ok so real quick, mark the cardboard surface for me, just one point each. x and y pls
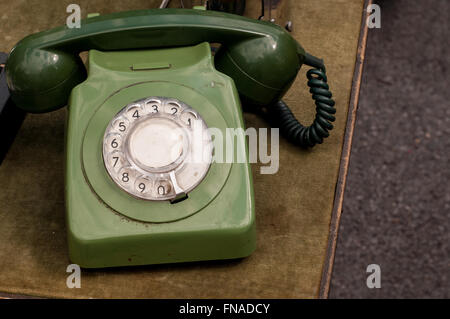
(293, 207)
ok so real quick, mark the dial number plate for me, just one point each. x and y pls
(157, 148)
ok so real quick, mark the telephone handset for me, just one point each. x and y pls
(132, 195)
(262, 58)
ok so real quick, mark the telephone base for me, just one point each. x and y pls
(109, 227)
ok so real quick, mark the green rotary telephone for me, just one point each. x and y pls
(133, 197)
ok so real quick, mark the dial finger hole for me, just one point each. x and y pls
(142, 185)
(163, 187)
(121, 125)
(173, 108)
(127, 176)
(113, 142)
(134, 112)
(116, 160)
(153, 106)
(188, 118)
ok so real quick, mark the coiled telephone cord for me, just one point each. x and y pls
(291, 128)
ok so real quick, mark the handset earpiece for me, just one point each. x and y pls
(41, 80)
(264, 68)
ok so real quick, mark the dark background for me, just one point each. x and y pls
(397, 201)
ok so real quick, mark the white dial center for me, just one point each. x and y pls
(156, 142)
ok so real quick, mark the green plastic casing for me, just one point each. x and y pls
(108, 227)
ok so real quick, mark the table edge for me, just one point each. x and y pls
(345, 158)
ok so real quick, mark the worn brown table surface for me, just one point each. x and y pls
(296, 209)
